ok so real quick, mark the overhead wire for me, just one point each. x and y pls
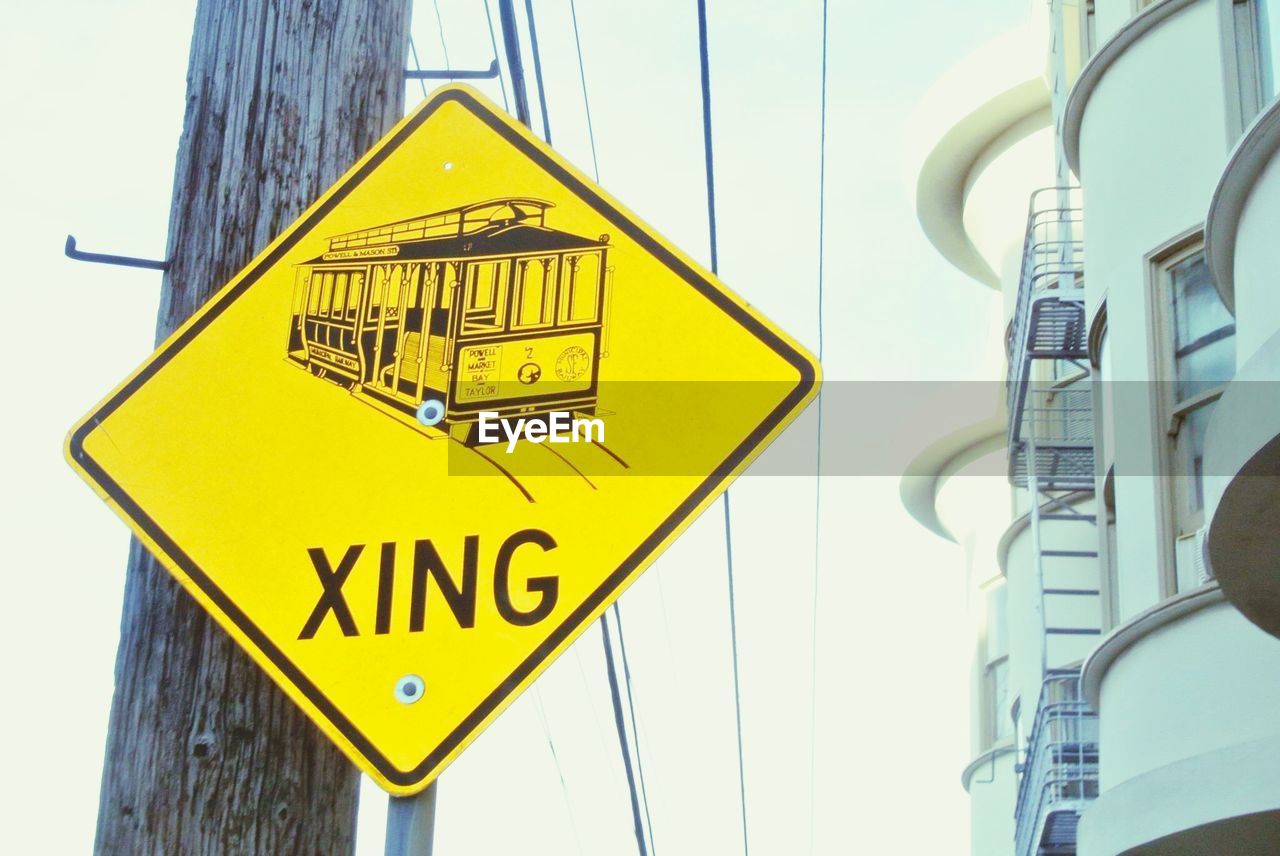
(542, 714)
(737, 687)
(440, 28)
(555, 757)
(413, 50)
(622, 735)
(635, 723)
(591, 703)
(537, 69)
(817, 480)
(586, 101)
(637, 789)
(595, 168)
(637, 794)
(709, 155)
(493, 43)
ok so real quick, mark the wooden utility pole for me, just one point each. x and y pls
(204, 754)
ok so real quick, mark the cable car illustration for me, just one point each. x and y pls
(434, 319)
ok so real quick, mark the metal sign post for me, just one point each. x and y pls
(411, 823)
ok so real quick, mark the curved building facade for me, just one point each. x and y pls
(947, 491)
(1184, 685)
(1139, 562)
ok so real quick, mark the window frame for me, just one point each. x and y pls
(1104, 475)
(995, 593)
(1088, 30)
(1268, 60)
(1242, 65)
(994, 714)
(1180, 517)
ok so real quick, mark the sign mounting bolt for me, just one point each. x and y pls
(409, 689)
(431, 412)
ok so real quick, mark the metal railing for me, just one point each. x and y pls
(1048, 318)
(1057, 430)
(1059, 773)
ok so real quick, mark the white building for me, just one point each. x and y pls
(1126, 692)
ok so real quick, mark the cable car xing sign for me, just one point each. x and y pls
(432, 431)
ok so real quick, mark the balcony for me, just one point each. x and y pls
(1054, 445)
(1059, 774)
(1050, 412)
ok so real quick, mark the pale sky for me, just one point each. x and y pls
(92, 109)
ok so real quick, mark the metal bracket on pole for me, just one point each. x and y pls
(411, 823)
(107, 259)
(456, 74)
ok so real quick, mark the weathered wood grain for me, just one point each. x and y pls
(204, 754)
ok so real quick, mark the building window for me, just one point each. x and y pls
(1104, 410)
(998, 688)
(1267, 27)
(996, 671)
(1198, 360)
(1251, 38)
(1090, 41)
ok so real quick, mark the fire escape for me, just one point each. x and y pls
(1059, 775)
(1050, 446)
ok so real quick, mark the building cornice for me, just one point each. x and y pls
(1078, 99)
(929, 470)
(944, 178)
(1247, 161)
(1137, 628)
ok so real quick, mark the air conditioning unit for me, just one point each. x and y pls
(1190, 552)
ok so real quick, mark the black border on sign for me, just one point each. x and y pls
(611, 583)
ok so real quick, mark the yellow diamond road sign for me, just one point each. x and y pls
(422, 440)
